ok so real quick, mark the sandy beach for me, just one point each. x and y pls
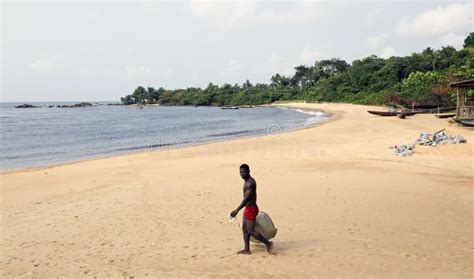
(344, 205)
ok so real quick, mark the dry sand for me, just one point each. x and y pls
(344, 204)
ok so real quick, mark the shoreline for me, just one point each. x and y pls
(177, 146)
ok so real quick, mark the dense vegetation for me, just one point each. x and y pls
(418, 78)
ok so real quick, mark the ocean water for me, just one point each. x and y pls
(42, 136)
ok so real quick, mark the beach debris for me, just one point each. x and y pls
(428, 139)
(404, 150)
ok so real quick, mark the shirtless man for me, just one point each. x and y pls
(250, 212)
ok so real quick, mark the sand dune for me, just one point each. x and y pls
(344, 206)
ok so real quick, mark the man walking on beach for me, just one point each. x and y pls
(250, 211)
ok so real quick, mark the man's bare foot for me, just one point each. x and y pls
(270, 247)
(244, 252)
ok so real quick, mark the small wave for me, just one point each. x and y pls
(9, 157)
(316, 115)
(144, 146)
(230, 134)
(311, 112)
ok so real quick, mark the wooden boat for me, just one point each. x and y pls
(465, 122)
(445, 115)
(229, 108)
(424, 106)
(447, 109)
(436, 110)
(403, 114)
(400, 114)
(383, 113)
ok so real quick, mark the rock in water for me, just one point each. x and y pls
(26, 106)
(264, 225)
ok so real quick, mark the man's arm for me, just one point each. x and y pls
(247, 195)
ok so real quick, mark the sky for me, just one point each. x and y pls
(89, 51)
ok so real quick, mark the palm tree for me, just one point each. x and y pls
(413, 64)
(429, 56)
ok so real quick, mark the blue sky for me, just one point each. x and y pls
(77, 51)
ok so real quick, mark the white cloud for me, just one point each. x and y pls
(388, 52)
(233, 15)
(452, 39)
(310, 55)
(43, 65)
(378, 40)
(440, 20)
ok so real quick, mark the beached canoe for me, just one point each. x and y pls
(264, 225)
(469, 123)
(403, 114)
(383, 113)
(229, 108)
(465, 122)
(436, 110)
(445, 115)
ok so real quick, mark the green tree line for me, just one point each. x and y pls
(418, 78)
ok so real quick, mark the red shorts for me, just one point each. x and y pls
(251, 212)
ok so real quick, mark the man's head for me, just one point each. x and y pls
(244, 171)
